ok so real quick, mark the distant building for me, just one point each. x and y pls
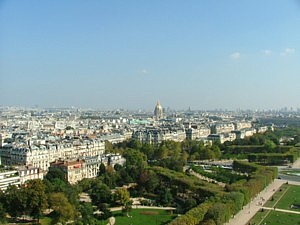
(196, 132)
(157, 135)
(41, 156)
(9, 178)
(158, 112)
(30, 173)
(219, 128)
(76, 170)
(222, 137)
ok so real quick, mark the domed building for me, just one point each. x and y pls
(158, 111)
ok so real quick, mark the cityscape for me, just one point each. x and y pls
(36, 142)
(150, 112)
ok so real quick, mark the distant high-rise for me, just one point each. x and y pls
(158, 111)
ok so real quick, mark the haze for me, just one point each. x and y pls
(129, 54)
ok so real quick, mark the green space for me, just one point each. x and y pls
(219, 174)
(288, 197)
(294, 172)
(144, 216)
(43, 221)
(275, 218)
(155, 172)
(276, 196)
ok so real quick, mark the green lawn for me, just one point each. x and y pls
(144, 217)
(276, 196)
(45, 221)
(283, 199)
(276, 218)
(291, 196)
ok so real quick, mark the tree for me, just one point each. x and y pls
(108, 147)
(106, 213)
(207, 153)
(136, 161)
(165, 197)
(55, 173)
(2, 214)
(2, 208)
(36, 197)
(63, 210)
(121, 196)
(269, 145)
(100, 193)
(216, 150)
(189, 204)
(102, 169)
(219, 213)
(148, 181)
(15, 200)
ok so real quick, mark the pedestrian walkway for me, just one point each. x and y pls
(143, 207)
(296, 164)
(248, 211)
(281, 210)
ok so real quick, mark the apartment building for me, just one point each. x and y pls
(41, 156)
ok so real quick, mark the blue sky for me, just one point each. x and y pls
(128, 54)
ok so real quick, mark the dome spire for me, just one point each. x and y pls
(158, 111)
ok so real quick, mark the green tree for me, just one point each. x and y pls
(16, 200)
(54, 173)
(36, 198)
(2, 214)
(269, 145)
(148, 181)
(63, 210)
(109, 147)
(219, 213)
(216, 150)
(100, 193)
(102, 169)
(207, 153)
(165, 197)
(136, 161)
(121, 196)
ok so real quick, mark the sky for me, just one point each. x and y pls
(207, 54)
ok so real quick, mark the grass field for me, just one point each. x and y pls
(275, 218)
(144, 217)
(135, 217)
(292, 196)
(43, 221)
(289, 195)
(282, 199)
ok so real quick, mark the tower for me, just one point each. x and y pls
(158, 111)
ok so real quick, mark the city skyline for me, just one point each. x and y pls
(108, 55)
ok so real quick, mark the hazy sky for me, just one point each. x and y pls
(205, 54)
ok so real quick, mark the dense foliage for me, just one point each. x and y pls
(156, 172)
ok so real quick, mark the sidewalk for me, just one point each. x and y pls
(296, 164)
(281, 210)
(248, 211)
